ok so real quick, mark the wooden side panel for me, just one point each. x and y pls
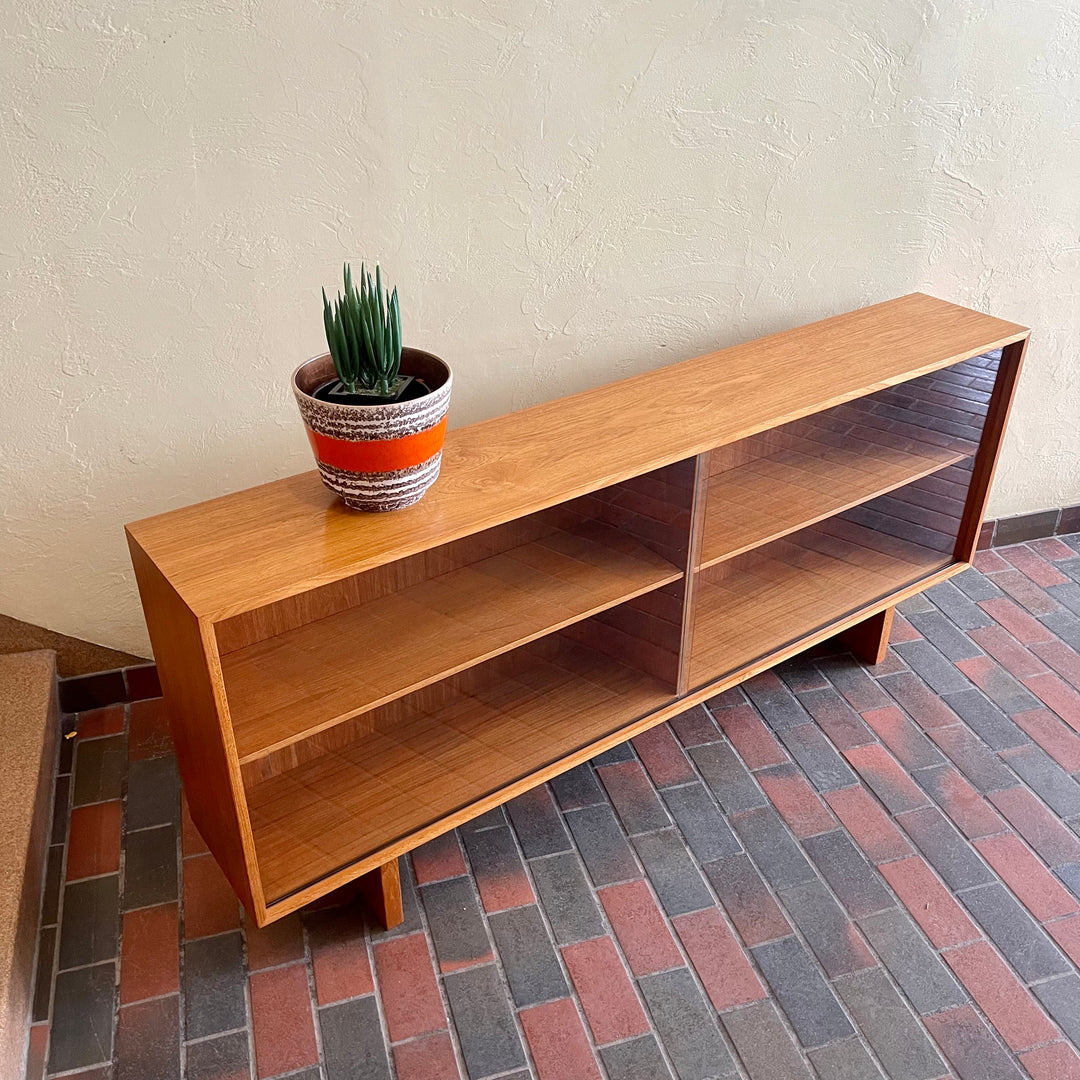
(187, 665)
(1012, 360)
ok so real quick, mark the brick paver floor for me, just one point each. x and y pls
(834, 871)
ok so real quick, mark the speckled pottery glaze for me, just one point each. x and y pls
(377, 457)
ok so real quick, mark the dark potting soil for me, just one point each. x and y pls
(416, 388)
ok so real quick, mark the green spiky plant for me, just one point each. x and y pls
(363, 330)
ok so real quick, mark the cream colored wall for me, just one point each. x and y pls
(564, 192)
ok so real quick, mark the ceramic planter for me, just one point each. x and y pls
(377, 457)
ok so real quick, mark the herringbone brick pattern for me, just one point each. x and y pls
(834, 871)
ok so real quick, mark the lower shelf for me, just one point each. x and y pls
(495, 725)
(788, 589)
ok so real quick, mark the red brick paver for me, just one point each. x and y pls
(428, 1058)
(718, 959)
(967, 809)
(799, 805)
(640, 927)
(210, 905)
(97, 722)
(191, 838)
(749, 735)
(281, 942)
(339, 958)
(1040, 892)
(870, 826)
(1055, 737)
(663, 757)
(151, 953)
(1038, 825)
(929, 902)
(1032, 565)
(281, 1020)
(1057, 695)
(886, 778)
(1057, 1062)
(438, 859)
(148, 730)
(407, 986)
(1021, 624)
(1066, 932)
(1001, 996)
(558, 1043)
(94, 840)
(611, 1007)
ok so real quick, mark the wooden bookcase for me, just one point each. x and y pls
(343, 687)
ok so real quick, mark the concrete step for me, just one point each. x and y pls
(29, 731)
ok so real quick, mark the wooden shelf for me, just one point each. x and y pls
(389, 784)
(792, 587)
(842, 457)
(301, 682)
(769, 498)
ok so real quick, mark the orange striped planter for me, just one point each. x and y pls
(377, 457)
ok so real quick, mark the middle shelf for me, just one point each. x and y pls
(784, 479)
(773, 496)
(298, 683)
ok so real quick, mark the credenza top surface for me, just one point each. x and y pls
(250, 548)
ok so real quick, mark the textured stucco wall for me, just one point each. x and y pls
(564, 192)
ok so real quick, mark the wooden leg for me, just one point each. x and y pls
(869, 639)
(381, 889)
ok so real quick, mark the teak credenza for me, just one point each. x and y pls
(343, 686)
